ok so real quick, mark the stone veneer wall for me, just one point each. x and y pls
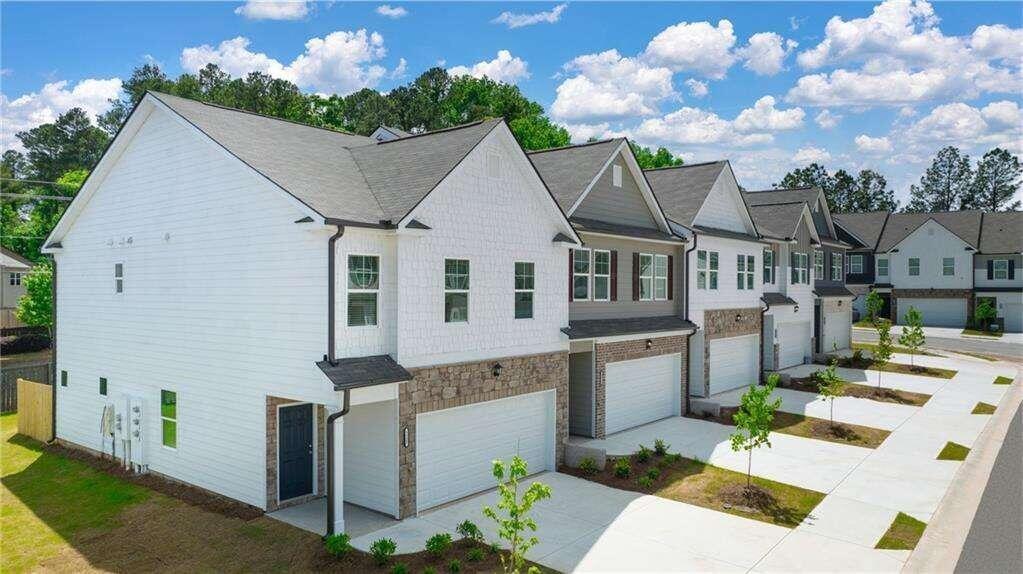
(271, 454)
(446, 386)
(721, 324)
(932, 294)
(605, 353)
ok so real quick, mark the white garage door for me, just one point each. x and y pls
(793, 344)
(455, 448)
(1013, 313)
(935, 312)
(837, 327)
(641, 391)
(733, 363)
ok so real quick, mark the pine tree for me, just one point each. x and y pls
(996, 182)
(945, 184)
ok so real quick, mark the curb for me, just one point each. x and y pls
(942, 543)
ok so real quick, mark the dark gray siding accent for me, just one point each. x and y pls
(580, 393)
(624, 204)
(867, 277)
(829, 253)
(980, 261)
(625, 306)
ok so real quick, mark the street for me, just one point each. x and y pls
(1010, 351)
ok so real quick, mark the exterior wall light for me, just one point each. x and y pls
(404, 437)
(738, 317)
(496, 370)
(649, 343)
(795, 309)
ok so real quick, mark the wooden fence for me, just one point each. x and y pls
(9, 375)
(35, 416)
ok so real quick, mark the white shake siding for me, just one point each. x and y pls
(493, 222)
(379, 339)
(721, 209)
(727, 296)
(224, 303)
(931, 243)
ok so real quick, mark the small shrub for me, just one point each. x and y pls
(474, 555)
(382, 550)
(623, 468)
(643, 455)
(644, 482)
(429, 570)
(338, 544)
(674, 458)
(588, 465)
(857, 355)
(438, 544)
(494, 548)
(399, 568)
(661, 447)
(653, 473)
(468, 529)
(454, 566)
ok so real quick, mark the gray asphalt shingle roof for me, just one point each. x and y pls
(583, 224)
(807, 195)
(590, 328)
(964, 224)
(778, 221)
(1002, 232)
(12, 260)
(340, 176)
(866, 226)
(355, 372)
(682, 190)
(569, 170)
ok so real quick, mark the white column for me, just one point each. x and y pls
(339, 475)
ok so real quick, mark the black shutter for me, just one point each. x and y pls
(990, 268)
(571, 282)
(614, 275)
(1012, 269)
(635, 276)
(671, 277)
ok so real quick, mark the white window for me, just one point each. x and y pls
(616, 175)
(169, 418)
(948, 266)
(363, 288)
(746, 267)
(646, 277)
(706, 269)
(580, 274)
(882, 267)
(15, 278)
(818, 264)
(1001, 268)
(768, 266)
(601, 275)
(914, 266)
(118, 277)
(456, 290)
(836, 266)
(800, 268)
(856, 264)
(661, 277)
(524, 282)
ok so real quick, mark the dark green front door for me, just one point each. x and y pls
(295, 448)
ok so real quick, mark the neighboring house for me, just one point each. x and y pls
(723, 273)
(13, 268)
(297, 312)
(627, 329)
(387, 133)
(863, 231)
(998, 267)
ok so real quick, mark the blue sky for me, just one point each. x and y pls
(769, 86)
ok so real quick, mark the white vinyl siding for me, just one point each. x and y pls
(370, 443)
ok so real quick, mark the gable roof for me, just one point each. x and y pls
(1002, 232)
(963, 224)
(395, 131)
(809, 195)
(681, 190)
(865, 228)
(568, 171)
(12, 260)
(778, 221)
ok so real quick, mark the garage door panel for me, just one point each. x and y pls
(793, 343)
(641, 391)
(734, 363)
(935, 312)
(455, 448)
(837, 330)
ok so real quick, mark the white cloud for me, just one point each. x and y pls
(867, 144)
(795, 23)
(810, 154)
(998, 123)
(393, 12)
(607, 85)
(583, 132)
(399, 70)
(697, 89)
(513, 20)
(503, 68)
(273, 10)
(998, 41)
(340, 62)
(29, 110)
(763, 116)
(827, 120)
(695, 47)
(765, 53)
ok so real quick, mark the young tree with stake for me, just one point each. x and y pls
(830, 386)
(913, 333)
(874, 304)
(883, 350)
(513, 522)
(753, 422)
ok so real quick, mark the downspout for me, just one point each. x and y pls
(345, 405)
(685, 313)
(762, 337)
(54, 383)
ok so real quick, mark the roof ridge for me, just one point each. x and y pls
(773, 189)
(157, 95)
(442, 130)
(573, 146)
(685, 165)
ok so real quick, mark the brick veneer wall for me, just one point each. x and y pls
(446, 386)
(605, 353)
(932, 294)
(271, 454)
(722, 324)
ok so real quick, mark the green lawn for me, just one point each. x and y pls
(983, 409)
(903, 534)
(821, 429)
(1003, 381)
(868, 324)
(895, 349)
(902, 368)
(953, 451)
(977, 333)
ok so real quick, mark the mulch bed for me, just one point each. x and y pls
(357, 561)
(884, 394)
(752, 497)
(864, 363)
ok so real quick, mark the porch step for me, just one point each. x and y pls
(705, 406)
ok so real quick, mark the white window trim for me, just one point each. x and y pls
(616, 175)
(593, 268)
(952, 274)
(15, 279)
(887, 266)
(352, 290)
(588, 275)
(659, 278)
(836, 266)
(909, 266)
(176, 419)
(119, 278)
(855, 261)
(444, 280)
(532, 290)
(818, 264)
(802, 268)
(707, 271)
(994, 269)
(747, 282)
(768, 258)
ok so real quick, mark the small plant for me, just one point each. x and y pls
(588, 465)
(644, 482)
(468, 529)
(830, 386)
(753, 422)
(429, 570)
(857, 356)
(623, 468)
(475, 555)
(399, 568)
(661, 447)
(653, 473)
(455, 565)
(643, 455)
(874, 305)
(514, 521)
(382, 550)
(438, 544)
(913, 334)
(984, 314)
(883, 350)
(338, 544)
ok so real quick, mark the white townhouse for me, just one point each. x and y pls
(723, 280)
(998, 268)
(277, 312)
